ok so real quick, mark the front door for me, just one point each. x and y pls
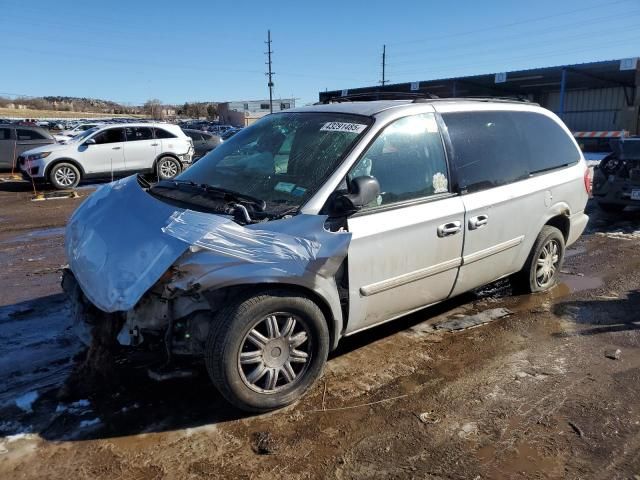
(106, 156)
(406, 246)
(140, 149)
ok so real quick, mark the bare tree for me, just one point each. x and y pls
(153, 108)
(212, 111)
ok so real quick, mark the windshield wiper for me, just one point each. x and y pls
(224, 193)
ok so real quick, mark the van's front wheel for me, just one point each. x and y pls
(264, 351)
(543, 265)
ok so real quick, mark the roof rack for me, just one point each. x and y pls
(371, 96)
(515, 99)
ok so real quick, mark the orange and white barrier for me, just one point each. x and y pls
(602, 134)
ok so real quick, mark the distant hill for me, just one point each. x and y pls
(69, 104)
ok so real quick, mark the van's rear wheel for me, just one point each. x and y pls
(64, 175)
(543, 265)
(167, 168)
(264, 351)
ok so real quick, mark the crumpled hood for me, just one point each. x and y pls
(121, 240)
(115, 245)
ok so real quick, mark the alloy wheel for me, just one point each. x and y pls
(547, 263)
(275, 353)
(168, 169)
(65, 176)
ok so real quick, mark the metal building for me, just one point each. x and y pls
(598, 99)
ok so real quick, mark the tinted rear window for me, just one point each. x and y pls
(487, 149)
(496, 148)
(24, 134)
(161, 133)
(548, 144)
(5, 133)
(138, 133)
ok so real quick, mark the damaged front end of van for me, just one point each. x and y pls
(163, 272)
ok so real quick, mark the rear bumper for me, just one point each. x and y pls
(577, 224)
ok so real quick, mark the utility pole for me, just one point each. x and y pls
(384, 64)
(269, 73)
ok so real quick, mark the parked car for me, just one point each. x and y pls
(203, 142)
(16, 139)
(229, 133)
(110, 150)
(78, 129)
(616, 180)
(317, 223)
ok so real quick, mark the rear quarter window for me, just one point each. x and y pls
(548, 144)
(162, 133)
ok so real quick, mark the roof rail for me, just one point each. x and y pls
(518, 99)
(371, 96)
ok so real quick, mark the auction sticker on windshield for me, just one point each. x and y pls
(342, 127)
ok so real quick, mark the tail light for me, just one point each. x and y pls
(587, 180)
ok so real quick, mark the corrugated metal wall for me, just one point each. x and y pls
(593, 109)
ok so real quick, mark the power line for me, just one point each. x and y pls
(501, 49)
(513, 24)
(451, 72)
(522, 35)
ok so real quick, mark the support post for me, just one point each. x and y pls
(563, 85)
(269, 73)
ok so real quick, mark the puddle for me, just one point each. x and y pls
(578, 283)
(541, 301)
(36, 234)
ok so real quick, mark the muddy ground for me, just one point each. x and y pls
(529, 395)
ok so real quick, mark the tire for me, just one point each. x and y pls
(234, 358)
(529, 279)
(64, 175)
(611, 207)
(167, 168)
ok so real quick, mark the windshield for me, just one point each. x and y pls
(81, 136)
(282, 159)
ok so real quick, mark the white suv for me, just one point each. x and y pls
(110, 151)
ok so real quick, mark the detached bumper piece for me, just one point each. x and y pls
(89, 323)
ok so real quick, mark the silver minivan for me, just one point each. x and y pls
(319, 222)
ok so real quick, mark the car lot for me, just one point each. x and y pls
(528, 393)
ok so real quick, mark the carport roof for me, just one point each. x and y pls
(517, 83)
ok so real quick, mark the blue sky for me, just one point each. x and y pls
(130, 51)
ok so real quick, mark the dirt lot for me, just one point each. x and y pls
(530, 395)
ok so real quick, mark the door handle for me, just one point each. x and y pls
(477, 222)
(116, 148)
(450, 228)
(154, 144)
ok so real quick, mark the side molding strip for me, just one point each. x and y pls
(400, 280)
(487, 252)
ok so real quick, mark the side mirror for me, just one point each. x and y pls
(363, 191)
(90, 141)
